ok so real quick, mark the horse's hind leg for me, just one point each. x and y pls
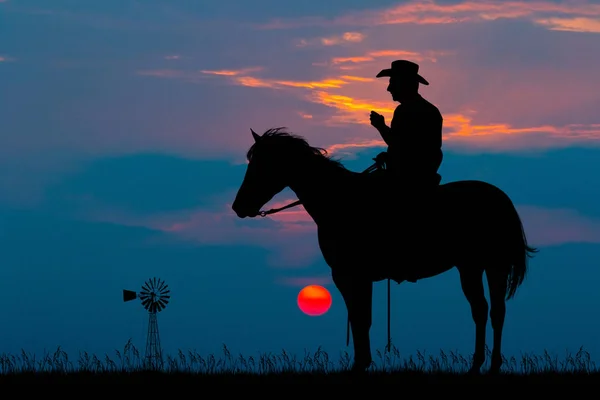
(497, 283)
(471, 280)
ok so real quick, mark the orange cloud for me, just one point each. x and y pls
(460, 129)
(580, 24)
(251, 81)
(430, 12)
(232, 72)
(493, 106)
(194, 76)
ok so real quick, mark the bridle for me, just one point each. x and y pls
(377, 165)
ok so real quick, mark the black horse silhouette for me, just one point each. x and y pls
(477, 230)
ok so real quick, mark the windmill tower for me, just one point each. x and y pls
(154, 297)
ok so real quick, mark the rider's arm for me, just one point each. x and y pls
(391, 134)
(386, 134)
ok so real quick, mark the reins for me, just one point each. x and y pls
(372, 168)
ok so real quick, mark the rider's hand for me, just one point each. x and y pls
(377, 120)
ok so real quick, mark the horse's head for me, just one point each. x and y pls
(265, 174)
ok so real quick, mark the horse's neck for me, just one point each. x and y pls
(318, 187)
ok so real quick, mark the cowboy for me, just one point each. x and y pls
(414, 140)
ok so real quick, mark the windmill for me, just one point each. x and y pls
(154, 297)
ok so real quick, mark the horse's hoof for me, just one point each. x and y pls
(475, 371)
(494, 371)
(361, 367)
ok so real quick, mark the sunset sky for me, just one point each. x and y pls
(123, 131)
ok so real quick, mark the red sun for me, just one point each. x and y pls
(314, 300)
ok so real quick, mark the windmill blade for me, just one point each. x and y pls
(154, 283)
(164, 296)
(162, 286)
(165, 289)
(163, 303)
(165, 299)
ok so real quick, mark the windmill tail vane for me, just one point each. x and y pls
(129, 295)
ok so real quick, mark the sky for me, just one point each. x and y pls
(123, 131)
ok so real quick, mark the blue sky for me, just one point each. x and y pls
(124, 126)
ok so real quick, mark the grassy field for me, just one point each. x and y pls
(127, 366)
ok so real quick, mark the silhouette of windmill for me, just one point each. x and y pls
(154, 297)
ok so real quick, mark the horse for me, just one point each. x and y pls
(475, 229)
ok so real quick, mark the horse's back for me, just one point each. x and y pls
(470, 193)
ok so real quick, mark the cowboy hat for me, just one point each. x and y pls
(404, 69)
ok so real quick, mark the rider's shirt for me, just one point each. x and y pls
(415, 143)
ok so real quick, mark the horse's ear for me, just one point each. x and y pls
(255, 135)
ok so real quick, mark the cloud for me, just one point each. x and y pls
(551, 227)
(511, 111)
(460, 130)
(581, 24)
(289, 236)
(334, 40)
(430, 12)
(5, 58)
(231, 72)
(397, 54)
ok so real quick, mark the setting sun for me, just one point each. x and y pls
(314, 300)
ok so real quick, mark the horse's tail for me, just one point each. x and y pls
(520, 252)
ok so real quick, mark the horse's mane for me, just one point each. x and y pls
(293, 143)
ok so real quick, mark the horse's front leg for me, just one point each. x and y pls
(358, 296)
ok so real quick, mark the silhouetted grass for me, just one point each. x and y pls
(127, 366)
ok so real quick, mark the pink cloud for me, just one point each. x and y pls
(334, 40)
(485, 109)
(428, 12)
(549, 227)
(501, 106)
(5, 58)
(289, 235)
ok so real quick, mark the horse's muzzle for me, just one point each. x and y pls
(241, 213)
